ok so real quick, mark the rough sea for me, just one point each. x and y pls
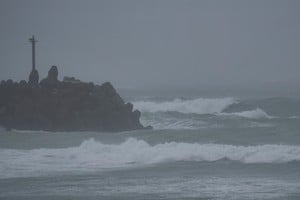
(201, 147)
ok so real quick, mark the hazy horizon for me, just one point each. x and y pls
(156, 44)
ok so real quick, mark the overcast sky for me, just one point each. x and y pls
(159, 43)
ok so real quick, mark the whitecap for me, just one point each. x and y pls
(194, 106)
(95, 156)
(252, 114)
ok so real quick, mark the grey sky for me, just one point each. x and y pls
(155, 43)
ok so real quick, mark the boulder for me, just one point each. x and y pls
(33, 78)
(51, 81)
(68, 79)
(53, 73)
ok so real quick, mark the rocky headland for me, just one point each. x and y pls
(68, 105)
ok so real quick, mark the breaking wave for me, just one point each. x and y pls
(92, 155)
(196, 106)
(252, 114)
(200, 106)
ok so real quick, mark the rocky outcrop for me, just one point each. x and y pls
(52, 79)
(71, 79)
(65, 106)
(33, 78)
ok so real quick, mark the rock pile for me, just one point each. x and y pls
(55, 105)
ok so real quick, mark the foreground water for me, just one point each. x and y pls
(200, 148)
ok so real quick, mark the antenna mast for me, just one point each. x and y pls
(34, 75)
(33, 41)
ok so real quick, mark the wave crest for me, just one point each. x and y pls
(92, 155)
(252, 114)
(196, 106)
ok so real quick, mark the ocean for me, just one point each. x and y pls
(201, 147)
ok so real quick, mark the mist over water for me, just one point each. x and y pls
(246, 46)
(218, 81)
(93, 156)
(217, 147)
(209, 112)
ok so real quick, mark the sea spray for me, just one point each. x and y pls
(96, 156)
(182, 114)
(252, 114)
(196, 106)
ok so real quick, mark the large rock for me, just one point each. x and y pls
(51, 81)
(33, 78)
(65, 106)
(53, 73)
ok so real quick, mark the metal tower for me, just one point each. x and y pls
(33, 41)
(34, 75)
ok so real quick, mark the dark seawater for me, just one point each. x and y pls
(200, 148)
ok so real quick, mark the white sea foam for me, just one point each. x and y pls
(294, 117)
(196, 106)
(199, 106)
(252, 114)
(92, 156)
(169, 123)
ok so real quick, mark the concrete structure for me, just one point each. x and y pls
(34, 75)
